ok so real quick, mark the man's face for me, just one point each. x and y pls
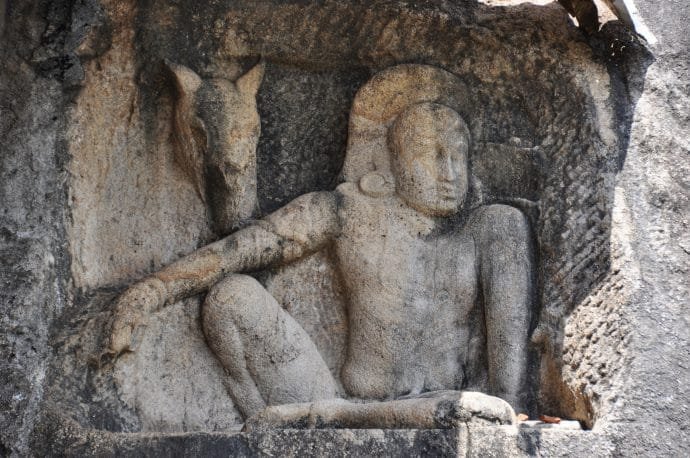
(430, 145)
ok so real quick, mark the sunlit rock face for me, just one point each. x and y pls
(417, 215)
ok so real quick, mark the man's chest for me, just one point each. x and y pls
(442, 273)
(413, 270)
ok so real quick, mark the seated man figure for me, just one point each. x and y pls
(412, 279)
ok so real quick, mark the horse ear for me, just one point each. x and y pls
(249, 82)
(189, 131)
(186, 81)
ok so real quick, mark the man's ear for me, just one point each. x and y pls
(249, 82)
(186, 81)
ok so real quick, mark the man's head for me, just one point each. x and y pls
(429, 144)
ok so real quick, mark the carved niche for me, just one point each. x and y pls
(345, 233)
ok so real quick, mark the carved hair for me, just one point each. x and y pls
(382, 100)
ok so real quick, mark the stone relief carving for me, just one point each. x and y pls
(96, 200)
(439, 292)
(216, 130)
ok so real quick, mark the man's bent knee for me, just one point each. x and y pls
(237, 300)
(233, 290)
(248, 330)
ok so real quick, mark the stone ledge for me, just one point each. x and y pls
(526, 440)
(491, 441)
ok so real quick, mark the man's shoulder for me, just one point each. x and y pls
(347, 189)
(497, 211)
(497, 218)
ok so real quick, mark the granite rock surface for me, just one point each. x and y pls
(585, 131)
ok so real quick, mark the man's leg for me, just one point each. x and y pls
(431, 410)
(269, 358)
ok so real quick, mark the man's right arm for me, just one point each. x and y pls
(301, 227)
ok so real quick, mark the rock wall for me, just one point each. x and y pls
(654, 193)
(35, 84)
(587, 134)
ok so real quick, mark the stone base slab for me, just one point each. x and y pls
(491, 441)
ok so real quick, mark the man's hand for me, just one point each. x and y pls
(130, 314)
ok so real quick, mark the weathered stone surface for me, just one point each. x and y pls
(92, 199)
(38, 70)
(282, 442)
(124, 168)
(527, 442)
(463, 442)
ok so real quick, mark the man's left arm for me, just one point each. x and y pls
(506, 270)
